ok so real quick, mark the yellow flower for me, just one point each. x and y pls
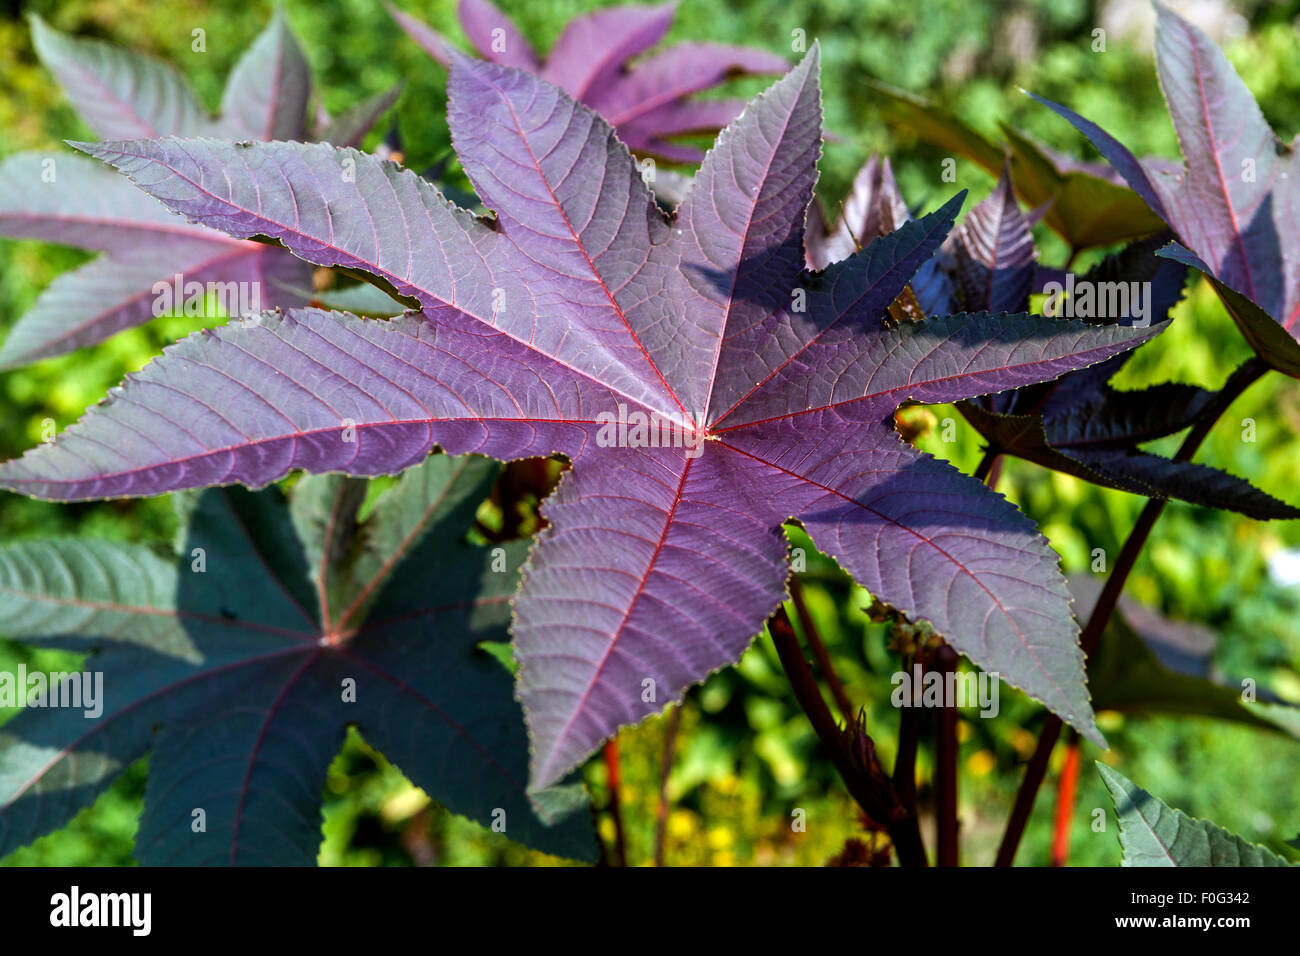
(981, 763)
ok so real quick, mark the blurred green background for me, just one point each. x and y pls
(746, 758)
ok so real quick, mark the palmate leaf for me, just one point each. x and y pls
(124, 95)
(647, 101)
(231, 665)
(1077, 424)
(144, 246)
(1235, 203)
(773, 390)
(1084, 203)
(1154, 834)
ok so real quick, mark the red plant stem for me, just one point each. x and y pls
(909, 733)
(615, 774)
(818, 648)
(1035, 770)
(1242, 378)
(995, 472)
(665, 770)
(946, 746)
(989, 470)
(1065, 801)
(945, 766)
(852, 754)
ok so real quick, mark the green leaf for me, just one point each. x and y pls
(1125, 675)
(1283, 716)
(324, 515)
(1084, 206)
(54, 591)
(1086, 209)
(937, 126)
(1154, 834)
(239, 664)
(934, 125)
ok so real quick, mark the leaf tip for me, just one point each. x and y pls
(1113, 779)
(1092, 732)
(949, 210)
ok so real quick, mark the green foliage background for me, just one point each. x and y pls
(747, 758)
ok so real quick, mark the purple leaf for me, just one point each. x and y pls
(147, 245)
(120, 95)
(267, 92)
(656, 567)
(1082, 426)
(320, 392)
(1235, 203)
(646, 101)
(594, 48)
(680, 70)
(494, 36)
(817, 230)
(1098, 441)
(1264, 334)
(740, 228)
(644, 104)
(1107, 416)
(65, 199)
(873, 207)
(119, 291)
(1155, 476)
(648, 134)
(928, 540)
(350, 127)
(77, 202)
(993, 254)
(570, 323)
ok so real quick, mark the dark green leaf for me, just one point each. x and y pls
(240, 664)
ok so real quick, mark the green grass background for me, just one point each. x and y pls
(747, 758)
